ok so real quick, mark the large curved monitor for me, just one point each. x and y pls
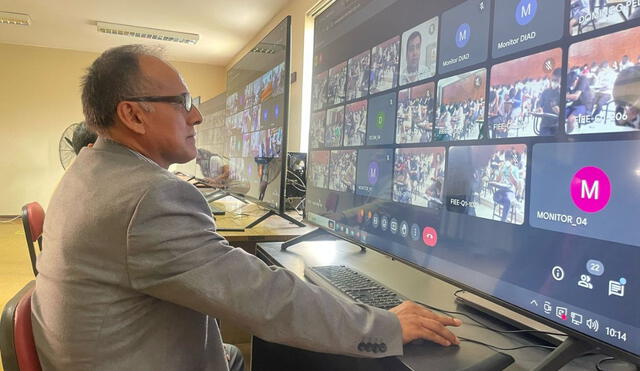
(256, 119)
(494, 144)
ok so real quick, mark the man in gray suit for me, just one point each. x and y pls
(133, 271)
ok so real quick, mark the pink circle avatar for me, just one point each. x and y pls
(590, 189)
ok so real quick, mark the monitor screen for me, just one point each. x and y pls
(256, 119)
(212, 161)
(494, 144)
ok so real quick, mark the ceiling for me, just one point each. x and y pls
(224, 26)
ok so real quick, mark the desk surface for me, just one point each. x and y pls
(415, 285)
(239, 215)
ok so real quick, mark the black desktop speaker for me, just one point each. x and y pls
(296, 183)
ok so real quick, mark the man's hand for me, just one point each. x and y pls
(418, 322)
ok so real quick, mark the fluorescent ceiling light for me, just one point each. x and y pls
(148, 33)
(267, 48)
(15, 18)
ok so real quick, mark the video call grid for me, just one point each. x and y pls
(560, 44)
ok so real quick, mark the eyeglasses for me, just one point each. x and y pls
(183, 99)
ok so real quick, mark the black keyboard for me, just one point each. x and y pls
(355, 285)
(216, 210)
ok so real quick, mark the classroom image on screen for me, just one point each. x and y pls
(418, 176)
(342, 170)
(603, 84)
(415, 114)
(590, 15)
(384, 65)
(334, 127)
(524, 97)
(460, 109)
(488, 182)
(358, 71)
(355, 123)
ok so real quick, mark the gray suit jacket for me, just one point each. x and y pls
(132, 268)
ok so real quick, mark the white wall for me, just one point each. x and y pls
(39, 98)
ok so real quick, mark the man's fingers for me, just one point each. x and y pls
(445, 320)
(432, 336)
(425, 312)
(449, 321)
(437, 328)
(419, 322)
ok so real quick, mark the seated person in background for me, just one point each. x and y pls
(549, 103)
(214, 167)
(496, 116)
(579, 100)
(508, 177)
(603, 83)
(83, 137)
(134, 267)
(625, 63)
(626, 93)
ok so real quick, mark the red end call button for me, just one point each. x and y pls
(429, 236)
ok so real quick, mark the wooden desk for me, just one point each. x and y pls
(417, 286)
(239, 215)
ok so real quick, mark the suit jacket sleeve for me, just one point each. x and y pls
(174, 254)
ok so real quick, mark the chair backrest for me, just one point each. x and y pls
(17, 346)
(33, 221)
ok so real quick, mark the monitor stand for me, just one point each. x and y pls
(312, 236)
(568, 348)
(216, 195)
(271, 213)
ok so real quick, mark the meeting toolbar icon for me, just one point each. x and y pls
(617, 287)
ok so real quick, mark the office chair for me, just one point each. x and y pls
(17, 346)
(33, 220)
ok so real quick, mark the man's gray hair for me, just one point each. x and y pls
(114, 76)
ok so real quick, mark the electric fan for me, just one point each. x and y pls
(65, 147)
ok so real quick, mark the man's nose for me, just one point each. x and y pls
(195, 117)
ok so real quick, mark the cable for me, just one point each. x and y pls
(10, 220)
(302, 183)
(296, 186)
(499, 348)
(600, 362)
(297, 176)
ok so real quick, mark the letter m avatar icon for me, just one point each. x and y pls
(590, 193)
(590, 189)
(463, 34)
(526, 11)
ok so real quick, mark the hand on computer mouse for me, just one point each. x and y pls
(417, 322)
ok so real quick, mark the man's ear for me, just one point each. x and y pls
(132, 116)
